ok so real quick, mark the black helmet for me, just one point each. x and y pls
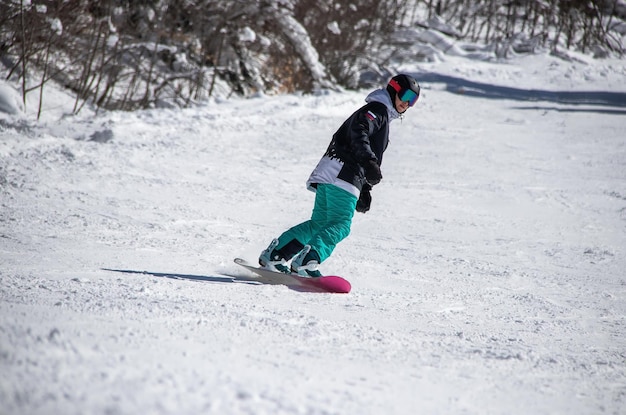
(406, 87)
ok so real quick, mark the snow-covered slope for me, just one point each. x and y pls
(488, 278)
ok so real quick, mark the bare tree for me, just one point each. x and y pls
(571, 24)
(125, 54)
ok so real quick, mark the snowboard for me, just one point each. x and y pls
(327, 283)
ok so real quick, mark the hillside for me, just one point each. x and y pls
(488, 278)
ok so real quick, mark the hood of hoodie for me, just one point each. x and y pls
(382, 96)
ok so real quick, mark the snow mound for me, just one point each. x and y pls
(10, 100)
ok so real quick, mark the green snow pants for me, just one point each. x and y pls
(329, 224)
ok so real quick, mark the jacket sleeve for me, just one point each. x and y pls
(366, 122)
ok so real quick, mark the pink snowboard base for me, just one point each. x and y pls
(327, 283)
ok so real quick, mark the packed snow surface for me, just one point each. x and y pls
(489, 276)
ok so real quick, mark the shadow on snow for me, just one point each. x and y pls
(481, 90)
(228, 279)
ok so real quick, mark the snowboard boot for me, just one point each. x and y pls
(306, 263)
(272, 260)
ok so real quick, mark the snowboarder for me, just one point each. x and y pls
(342, 181)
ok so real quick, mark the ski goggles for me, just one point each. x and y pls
(409, 96)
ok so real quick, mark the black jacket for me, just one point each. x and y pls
(362, 137)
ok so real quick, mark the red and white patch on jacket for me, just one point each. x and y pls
(370, 115)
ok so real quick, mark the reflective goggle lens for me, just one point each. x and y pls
(410, 97)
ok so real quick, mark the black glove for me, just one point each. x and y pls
(373, 174)
(365, 200)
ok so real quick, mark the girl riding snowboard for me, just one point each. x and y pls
(342, 181)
